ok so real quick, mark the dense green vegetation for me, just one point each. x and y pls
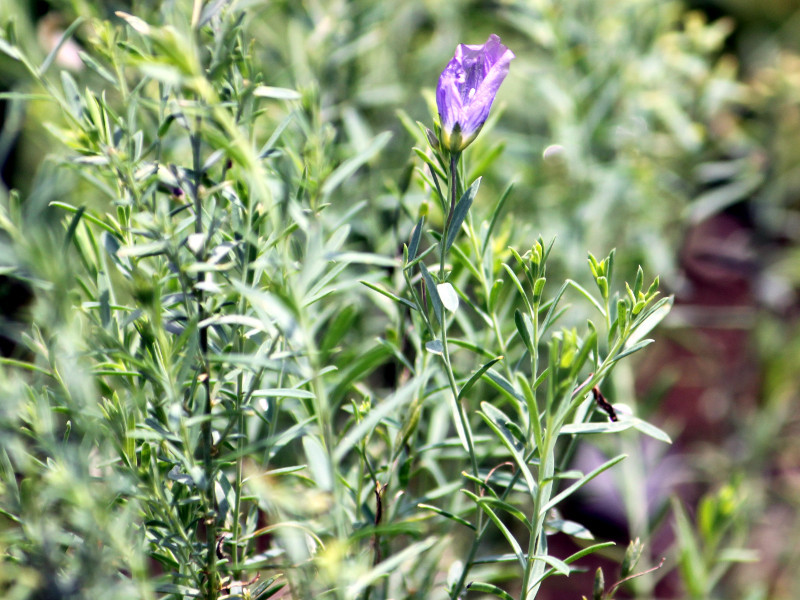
(265, 334)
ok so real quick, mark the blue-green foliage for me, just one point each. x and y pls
(281, 340)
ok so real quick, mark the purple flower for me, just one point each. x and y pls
(467, 88)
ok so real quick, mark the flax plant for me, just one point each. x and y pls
(547, 402)
(251, 401)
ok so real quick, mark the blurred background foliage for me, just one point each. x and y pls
(664, 129)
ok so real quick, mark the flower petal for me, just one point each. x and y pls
(477, 112)
(448, 97)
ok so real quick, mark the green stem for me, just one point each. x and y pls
(242, 397)
(210, 520)
(445, 350)
(457, 408)
(476, 542)
(537, 545)
(453, 193)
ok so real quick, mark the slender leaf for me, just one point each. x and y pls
(413, 245)
(488, 588)
(512, 541)
(650, 430)
(498, 209)
(57, 48)
(446, 514)
(460, 213)
(581, 482)
(389, 565)
(476, 376)
(388, 294)
(498, 422)
(578, 555)
(351, 165)
(433, 292)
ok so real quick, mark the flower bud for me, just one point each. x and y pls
(467, 87)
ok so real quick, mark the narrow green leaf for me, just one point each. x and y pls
(61, 41)
(494, 558)
(363, 258)
(505, 386)
(512, 541)
(690, 558)
(631, 349)
(24, 96)
(587, 346)
(588, 550)
(476, 376)
(351, 165)
(460, 213)
(413, 245)
(419, 258)
(142, 250)
(90, 62)
(541, 378)
(559, 566)
(551, 315)
(209, 12)
(581, 482)
(388, 566)
(10, 50)
(364, 428)
(135, 23)
(277, 93)
(464, 259)
(649, 319)
(525, 329)
(535, 424)
(519, 287)
(467, 345)
(318, 463)
(650, 429)
(434, 166)
(498, 422)
(488, 588)
(283, 393)
(739, 555)
(596, 303)
(21, 364)
(570, 528)
(438, 309)
(398, 354)
(358, 369)
(486, 159)
(105, 308)
(388, 294)
(338, 327)
(71, 94)
(480, 483)
(639, 281)
(599, 427)
(498, 208)
(73, 225)
(577, 556)
(509, 508)
(414, 129)
(447, 515)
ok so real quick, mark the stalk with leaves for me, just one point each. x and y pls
(551, 405)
